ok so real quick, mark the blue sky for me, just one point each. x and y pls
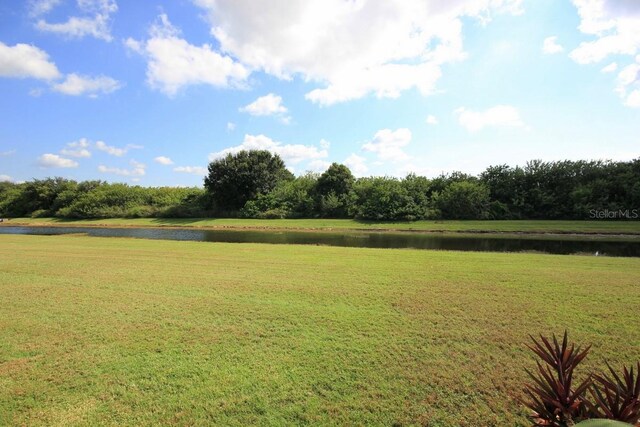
(150, 92)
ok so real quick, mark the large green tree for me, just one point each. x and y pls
(332, 191)
(237, 178)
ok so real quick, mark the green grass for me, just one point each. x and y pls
(98, 331)
(604, 227)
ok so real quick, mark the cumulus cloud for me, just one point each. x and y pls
(290, 153)
(388, 144)
(77, 148)
(628, 84)
(76, 85)
(551, 46)
(26, 61)
(94, 21)
(350, 48)
(195, 170)
(268, 105)
(115, 151)
(163, 160)
(431, 120)
(173, 63)
(615, 26)
(498, 116)
(54, 161)
(5, 178)
(614, 23)
(385, 81)
(357, 164)
(137, 169)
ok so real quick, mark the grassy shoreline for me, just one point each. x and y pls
(450, 226)
(137, 332)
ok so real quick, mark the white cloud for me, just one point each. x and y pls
(590, 52)
(7, 153)
(551, 46)
(76, 85)
(498, 116)
(134, 46)
(410, 167)
(173, 63)
(268, 105)
(388, 144)
(629, 74)
(26, 61)
(357, 165)
(163, 160)
(36, 92)
(231, 126)
(628, 86)
(137, 169)
(615, 25)
(55, 161)
(77, 148)
(23, 60)
(95, 20)
(290, 153)
(195, 170)
(633, 99)
(385, 81)
(42, 7)
(318, 165)
(115, 151)
(431, 120)
(350, 48)
(5, 178)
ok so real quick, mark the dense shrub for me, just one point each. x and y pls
(384, 199)
(463, 200)
(289, 199)
(255, 184)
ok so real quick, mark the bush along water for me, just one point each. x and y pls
(256, 184)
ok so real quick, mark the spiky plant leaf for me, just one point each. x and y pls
(552, 397)
(617, 397)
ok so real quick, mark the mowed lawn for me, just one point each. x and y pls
(106, 331)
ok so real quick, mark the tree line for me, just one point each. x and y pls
(256, 184)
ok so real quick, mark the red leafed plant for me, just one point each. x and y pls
(554, 400)
(616, 397)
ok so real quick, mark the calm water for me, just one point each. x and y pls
(483, 243)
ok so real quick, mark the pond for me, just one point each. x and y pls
(554, 244)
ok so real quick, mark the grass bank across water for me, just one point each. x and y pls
(471, 226)
(138, 332)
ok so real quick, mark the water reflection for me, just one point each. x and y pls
(482, 243)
